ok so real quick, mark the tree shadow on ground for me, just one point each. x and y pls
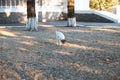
(89, 54)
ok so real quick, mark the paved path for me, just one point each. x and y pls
(63, 23)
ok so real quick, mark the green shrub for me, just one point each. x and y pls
(102, 4)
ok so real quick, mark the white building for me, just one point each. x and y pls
(48, 10)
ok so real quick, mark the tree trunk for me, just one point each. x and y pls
(31, 24)
(71, 18)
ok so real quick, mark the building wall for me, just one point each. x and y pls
(13, 17)
(81, 5)
(14, 11)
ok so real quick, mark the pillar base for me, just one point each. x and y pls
(71, 22)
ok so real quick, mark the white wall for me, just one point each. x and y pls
(81, 5)
(53, 5)
(118, 13)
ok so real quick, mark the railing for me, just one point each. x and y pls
(12, 3)
(42, 5)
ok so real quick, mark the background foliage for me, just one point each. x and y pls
(102, 4)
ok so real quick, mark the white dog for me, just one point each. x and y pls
(60, 38)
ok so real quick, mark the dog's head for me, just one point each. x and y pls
(63, 41)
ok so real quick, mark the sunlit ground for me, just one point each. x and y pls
(90, 53)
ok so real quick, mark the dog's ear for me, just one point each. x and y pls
(63, 41)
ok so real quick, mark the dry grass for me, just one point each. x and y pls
(89, 54)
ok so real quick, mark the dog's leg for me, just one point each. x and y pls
(57, 41)
(60, 42)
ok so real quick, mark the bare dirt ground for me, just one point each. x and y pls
(91, 53)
